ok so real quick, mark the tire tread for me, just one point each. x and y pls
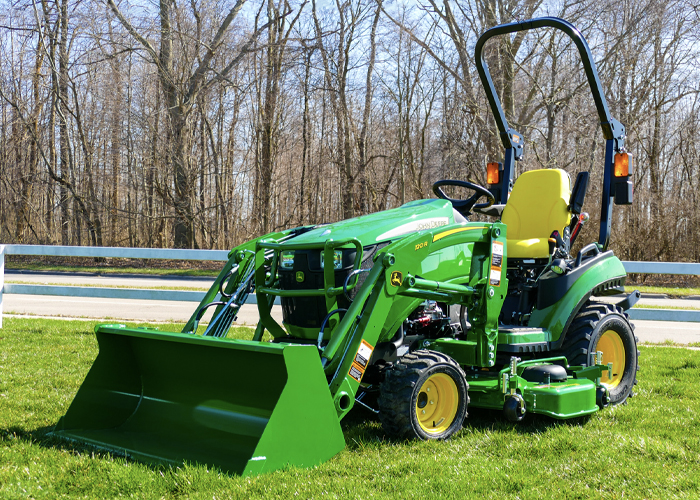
(578, 337)
(397, 389)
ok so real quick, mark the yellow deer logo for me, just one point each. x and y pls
(396, 278)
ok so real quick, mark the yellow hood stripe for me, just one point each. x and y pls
(442, 235)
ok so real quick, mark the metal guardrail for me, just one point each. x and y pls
(676, 315)
(107, 252)
(686, 268)
(104, 292)
(115, 252)
(679, 268)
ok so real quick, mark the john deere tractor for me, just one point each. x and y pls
(415, 314)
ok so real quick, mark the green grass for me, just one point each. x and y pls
(97, 285)
(666, 290)
(112, 270)
(649, 448)
(649, 306)
(671, 343)
(33, 266)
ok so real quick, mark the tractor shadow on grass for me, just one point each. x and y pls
(361, 427)
(483, 419)
(39, 435)
(42, 437)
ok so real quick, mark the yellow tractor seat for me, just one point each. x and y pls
(537, 206)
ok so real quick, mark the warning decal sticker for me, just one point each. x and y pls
(495, 276)
(359, 364)
(355, 373)
(496, 254)
(496, 263)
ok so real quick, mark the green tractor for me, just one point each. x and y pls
(415, 314)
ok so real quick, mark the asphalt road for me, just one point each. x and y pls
(166, 311)
(158, 311)
(106, 280)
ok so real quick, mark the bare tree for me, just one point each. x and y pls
(279, 31)
(183, 130)
(182, 80)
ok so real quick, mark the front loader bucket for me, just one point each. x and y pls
(245, 407)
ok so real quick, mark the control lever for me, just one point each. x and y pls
(582, 219)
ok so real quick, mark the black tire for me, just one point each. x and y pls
(407, 410)
(598, 321)
(514, 408)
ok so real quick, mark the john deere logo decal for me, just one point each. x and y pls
(300, 276)
(396, 278)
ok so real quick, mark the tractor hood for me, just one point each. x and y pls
(386, 226)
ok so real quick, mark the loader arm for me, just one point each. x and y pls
(452, 264)
(163, 397)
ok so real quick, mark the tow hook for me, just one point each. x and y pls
(630, 301)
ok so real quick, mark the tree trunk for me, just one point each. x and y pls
(115, 152)
(28, 178)
(64, 159)
(183, 235)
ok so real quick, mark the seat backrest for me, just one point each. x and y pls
(538, 205)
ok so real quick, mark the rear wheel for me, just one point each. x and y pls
(424, 395)
(606, 328)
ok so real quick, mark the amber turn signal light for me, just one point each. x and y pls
(623, 165)
(493, 173)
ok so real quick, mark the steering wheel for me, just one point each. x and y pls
(464, 206)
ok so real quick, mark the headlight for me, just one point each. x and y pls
(287, 260)
(337, 259)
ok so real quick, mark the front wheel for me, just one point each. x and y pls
(605, 328)
(424, 396)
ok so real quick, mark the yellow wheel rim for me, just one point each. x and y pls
(437, 402)
(610, 343)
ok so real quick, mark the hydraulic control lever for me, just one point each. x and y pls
(581, 220)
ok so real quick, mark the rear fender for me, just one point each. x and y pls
(558, 305)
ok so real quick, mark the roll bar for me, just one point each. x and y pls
(613, 130)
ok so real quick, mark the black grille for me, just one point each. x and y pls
(308, 312)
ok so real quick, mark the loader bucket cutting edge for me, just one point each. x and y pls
(245, 407)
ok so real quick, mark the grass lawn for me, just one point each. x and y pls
(166, 271)
(213, 268)
(649, 448)
(178, 288)
(671, 291)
